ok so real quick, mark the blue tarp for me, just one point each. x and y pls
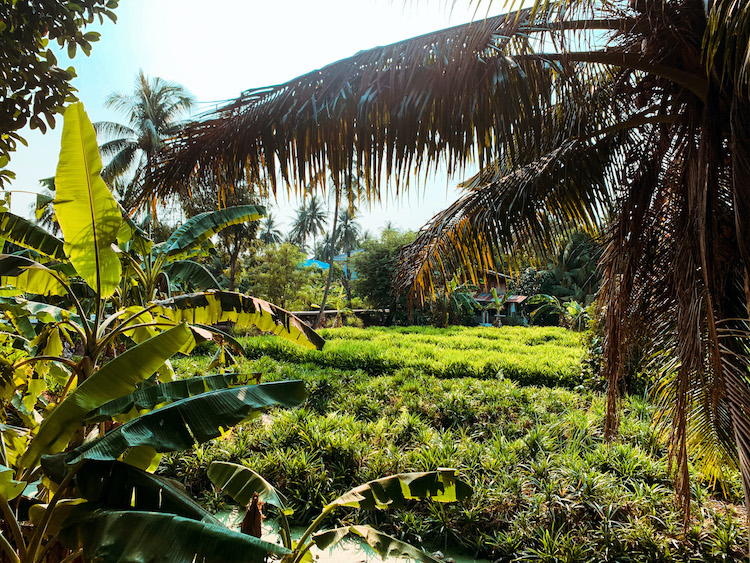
(316, 263)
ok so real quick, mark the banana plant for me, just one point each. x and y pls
(241, 483)
(119, 509)
(572, 314)
(159, 267)
(115, 398)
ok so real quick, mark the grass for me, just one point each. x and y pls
(547, 486)
(535, 355)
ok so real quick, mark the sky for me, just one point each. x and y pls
(218, 49)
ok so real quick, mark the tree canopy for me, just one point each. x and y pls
(32, 87)
(153, 110)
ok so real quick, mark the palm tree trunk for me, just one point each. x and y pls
(330, 264)
(348, 287)
(233, 257)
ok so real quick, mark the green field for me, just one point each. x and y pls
(547, 486)
(535, 355)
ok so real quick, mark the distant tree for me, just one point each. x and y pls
(274, 274)
(269, 231)
(234, 240)
(322, 250)
(32, 87)
(310, 221)
(376, 267)
(153, 110)
(349, 232)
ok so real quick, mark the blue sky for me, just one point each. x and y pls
(218, 49)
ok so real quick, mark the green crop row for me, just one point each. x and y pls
(548, 356)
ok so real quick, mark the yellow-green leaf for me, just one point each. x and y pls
(88, 215)
(392, 492)
(20, 275)
(9, 488)
(213, 307)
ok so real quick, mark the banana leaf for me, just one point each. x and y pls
(113, 535)
(213, 307)
(60, 513)
(203, 226)
(241, 482)
(221, 337)
(114, 379)
(383, 544)
(197, 276)
(131, 236)
(393, 492)
(29, 235)
(118, 486)
(88, 215)
(148, 398)
(28, 276)
(46, 312)
(189, 421)
(9, 487)
(18, 316)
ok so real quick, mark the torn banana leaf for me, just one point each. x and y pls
(213, 307)
(393, 492)
(383, 544)
(118, 486)
(241, 483)
(204, 225)
(30, 235)
(20, 275)
(112, 535)
(148, 398)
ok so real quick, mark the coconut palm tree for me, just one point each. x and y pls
(348, 238)
(269, 231)
(153, 110)
(626, 117)
(310, 221)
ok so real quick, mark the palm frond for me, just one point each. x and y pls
(110, 129)
(377, 114)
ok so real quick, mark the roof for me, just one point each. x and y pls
(487, 298)
(314, 263)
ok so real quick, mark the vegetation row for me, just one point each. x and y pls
(530, 356)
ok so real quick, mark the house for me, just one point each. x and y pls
(510, 305)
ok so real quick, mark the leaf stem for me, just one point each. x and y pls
(311, 528)
(15, 529)
(8, 549)
(36, 539)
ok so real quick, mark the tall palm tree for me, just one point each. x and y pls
(625, 117)
(310, 221)
(153, 110)
(348, 237)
